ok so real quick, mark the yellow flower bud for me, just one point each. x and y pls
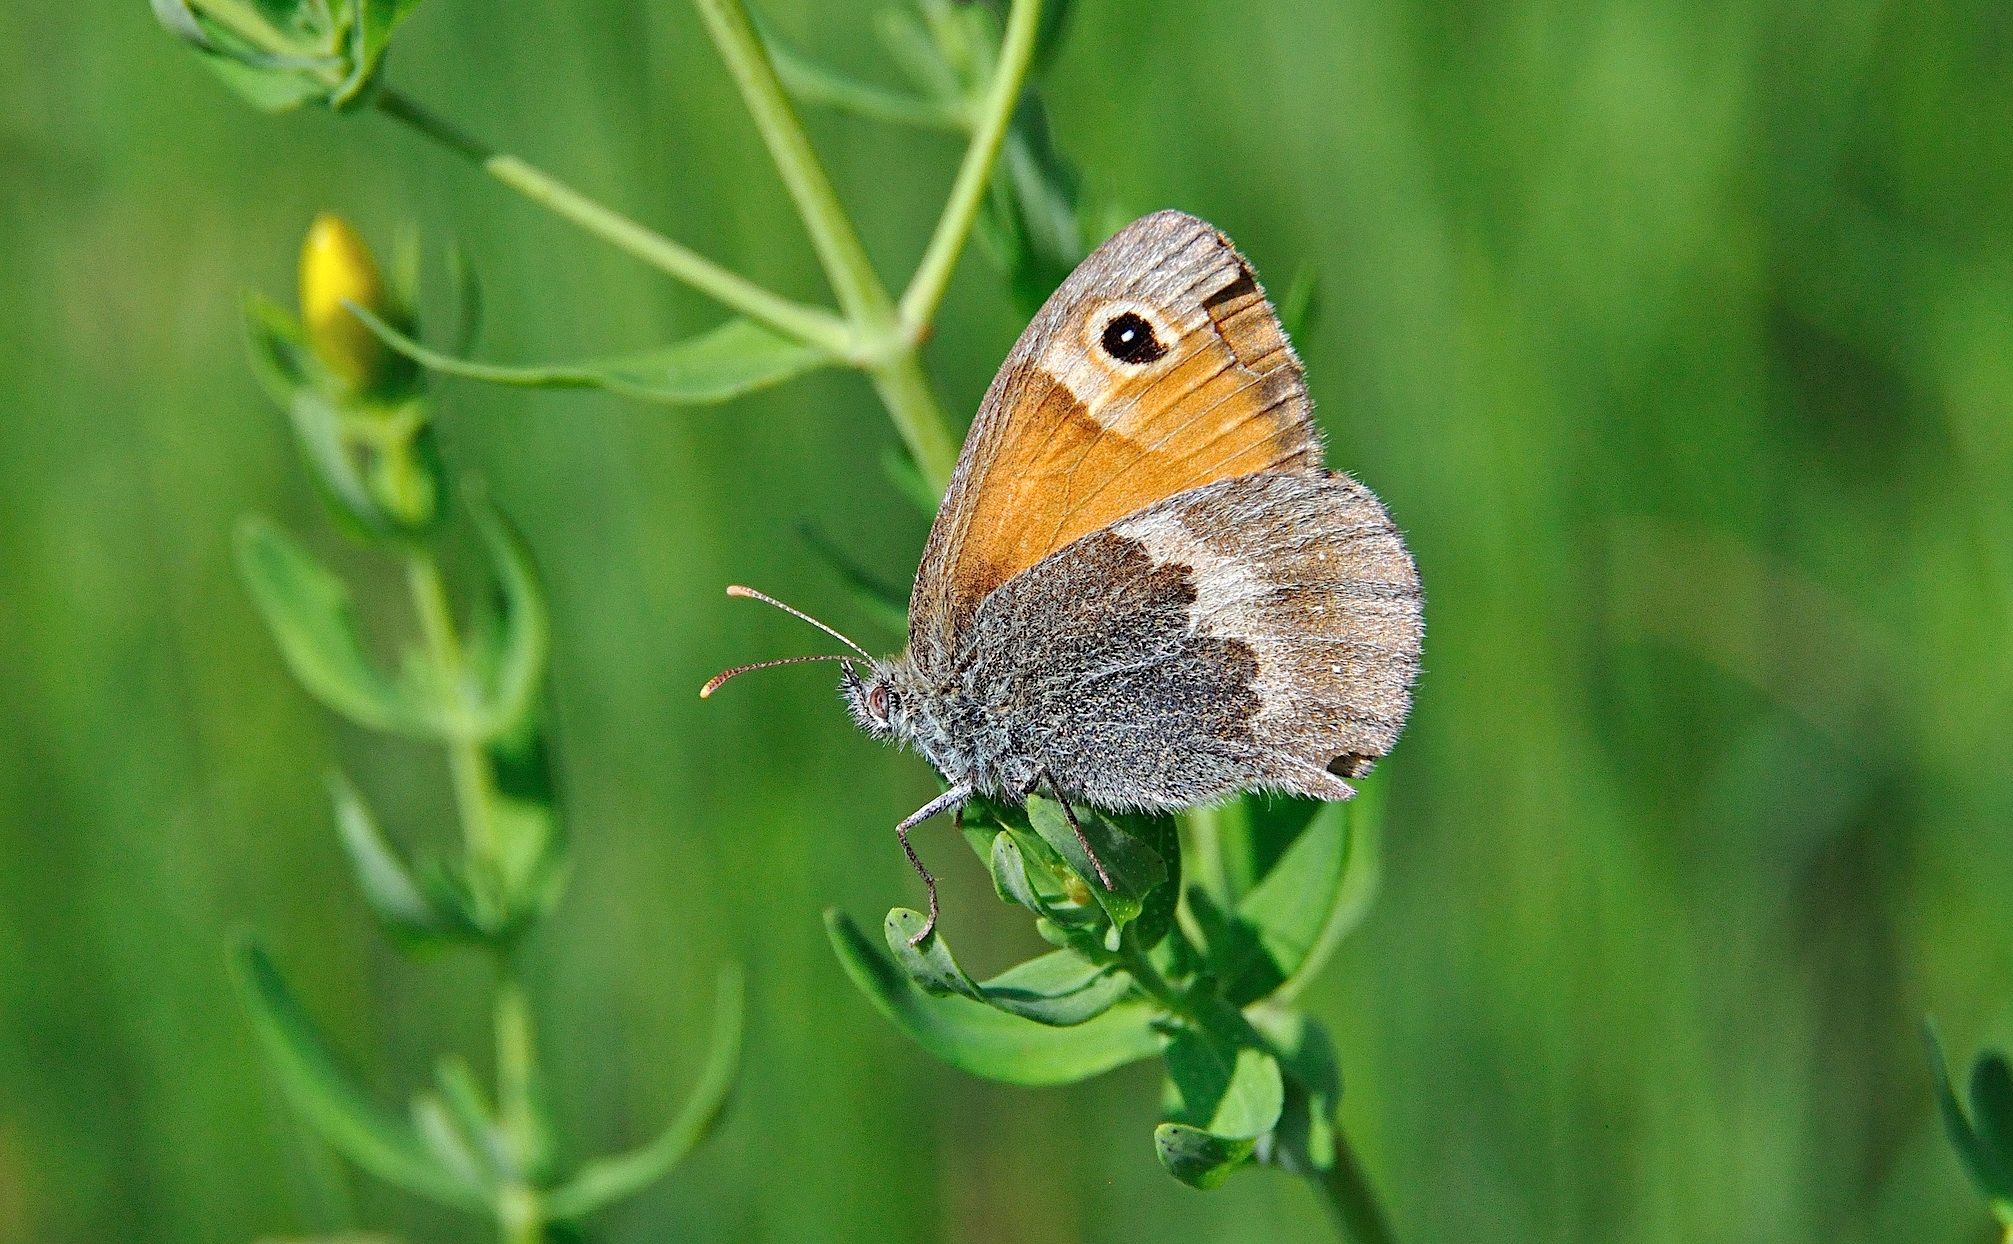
(336, 266)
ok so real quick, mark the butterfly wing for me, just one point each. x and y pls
(1158, 366)
(1262, 631)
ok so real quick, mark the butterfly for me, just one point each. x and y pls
(1144, 590)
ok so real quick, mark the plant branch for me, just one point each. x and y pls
(467, 764)
(912, 406)
(814, 326)
(1346, 1191)
(995, 114)
(861, 294)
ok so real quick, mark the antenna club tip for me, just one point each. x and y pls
(735, 589)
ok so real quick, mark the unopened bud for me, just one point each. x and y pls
(336, 267)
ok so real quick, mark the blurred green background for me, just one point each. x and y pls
(1679, 338)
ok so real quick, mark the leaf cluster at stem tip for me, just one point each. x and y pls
(1193, 955)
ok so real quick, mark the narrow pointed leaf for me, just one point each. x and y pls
(812, 83)
(308, 611)
(445, 1138)
(986, 1041)
(387, 884)
(604, 1181)
(326, 1097)
(737, 358)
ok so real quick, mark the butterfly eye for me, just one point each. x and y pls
(1130, 339)
(877, 701)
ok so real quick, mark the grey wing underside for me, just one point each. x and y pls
(1258, 632)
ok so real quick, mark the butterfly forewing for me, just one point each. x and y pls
(1157, 367)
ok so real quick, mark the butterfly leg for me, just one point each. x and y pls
(1070, 812)
(953, 798)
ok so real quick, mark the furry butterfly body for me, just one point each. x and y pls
(1144, 590)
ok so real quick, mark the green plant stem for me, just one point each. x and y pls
(519, 1205)
(861, 294)
(1346, 1192)
(890, 352)
(995, 114)
(814, 326)
(468, 765)
(520, 1111)
(905, 389)
(875, 334)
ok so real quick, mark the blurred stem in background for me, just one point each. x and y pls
(361, 417)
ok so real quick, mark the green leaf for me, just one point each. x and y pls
(371, 27)
(1135, 868)
(604, 1181)
(308, 611)
(1990, 1168)
(1010, 876)
(929, 963)
(1060, 990)
(1196, 1157)
(812, 83)
(737, 358)
(1303, 1141)
(1289, 908)
(270, 82)
(1301, 307)
(1156, 910)
(445, 1138)
(984, 1040)
(1222, 1097)
(401, 907)
(517, 666)
(318, 1088)
(1229, 1090)
(1992, 1103)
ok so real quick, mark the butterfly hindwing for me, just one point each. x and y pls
(1261, 631)
(1157, 367)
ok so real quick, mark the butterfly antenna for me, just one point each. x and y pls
(713, 684)
(752, 594)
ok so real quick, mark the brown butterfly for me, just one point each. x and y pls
(1144, 590)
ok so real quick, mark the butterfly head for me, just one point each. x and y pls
(873, 699)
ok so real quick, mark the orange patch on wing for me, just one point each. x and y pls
(1072, 437)
(1059, 472)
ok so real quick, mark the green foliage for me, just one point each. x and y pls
(1246, 1074)
(478, 691)
(280, 54)
(1983, 1138)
